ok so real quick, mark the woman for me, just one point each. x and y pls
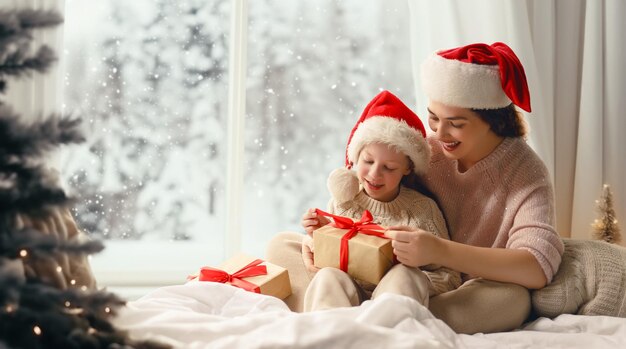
(494, 191)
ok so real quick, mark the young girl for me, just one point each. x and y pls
(388, 147)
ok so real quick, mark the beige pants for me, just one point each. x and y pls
(477, 306)
(333, 288)
(483, 306)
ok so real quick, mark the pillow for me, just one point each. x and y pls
(591, 280)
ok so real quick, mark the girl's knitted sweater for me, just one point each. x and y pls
(410, 208)
(506, 200)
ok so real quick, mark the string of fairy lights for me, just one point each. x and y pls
(37, 328)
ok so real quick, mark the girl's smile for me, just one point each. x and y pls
(373, 186)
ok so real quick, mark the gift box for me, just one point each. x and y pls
(251, 274)
(358, 248)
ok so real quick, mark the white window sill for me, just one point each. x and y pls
(152, 264)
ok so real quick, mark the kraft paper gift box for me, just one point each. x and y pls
(274, 283)
(369, 257)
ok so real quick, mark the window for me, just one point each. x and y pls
(151, 84)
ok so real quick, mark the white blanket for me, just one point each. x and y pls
(212, 315)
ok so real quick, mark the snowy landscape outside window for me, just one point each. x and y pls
(149, 79)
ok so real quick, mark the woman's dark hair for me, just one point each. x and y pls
(505, 122)
(413, 181)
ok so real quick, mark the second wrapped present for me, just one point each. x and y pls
(250, 274)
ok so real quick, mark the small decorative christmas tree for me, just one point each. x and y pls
(46, 298)
(606, 228)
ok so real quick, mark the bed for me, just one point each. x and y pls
(591, 279)
(214, 315)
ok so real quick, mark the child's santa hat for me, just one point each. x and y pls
(477, 76)
(385, 120)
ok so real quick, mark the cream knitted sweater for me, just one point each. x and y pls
(505, 200)
(591, 281)
(409, 208)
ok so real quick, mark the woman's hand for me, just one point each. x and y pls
(414, 247)
(311, 221)
(307, 254)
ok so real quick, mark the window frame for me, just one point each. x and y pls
(236, 122)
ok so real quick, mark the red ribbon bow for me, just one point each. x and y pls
(364, 226)
(235, 279)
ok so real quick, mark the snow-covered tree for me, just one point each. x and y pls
(158, 143)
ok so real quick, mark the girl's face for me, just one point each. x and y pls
(380, 169)
(464, 136)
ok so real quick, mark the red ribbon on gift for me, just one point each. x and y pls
(235, 279)
(364, 226)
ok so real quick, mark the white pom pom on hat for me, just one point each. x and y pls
(385, 120)
(343, 185)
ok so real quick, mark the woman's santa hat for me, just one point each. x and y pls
(477, 76)
(385, 120)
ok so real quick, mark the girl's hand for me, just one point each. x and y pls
(307, 254)
(311, 221)
(414, 247)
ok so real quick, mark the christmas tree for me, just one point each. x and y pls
(48, 297)
(606, 228)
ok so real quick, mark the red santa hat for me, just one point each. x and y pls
(385, 120)
(477, 76)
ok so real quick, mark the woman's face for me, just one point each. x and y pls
(380, 169)
(464, 136)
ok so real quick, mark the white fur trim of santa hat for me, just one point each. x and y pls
(395, 132)
(461, 84)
